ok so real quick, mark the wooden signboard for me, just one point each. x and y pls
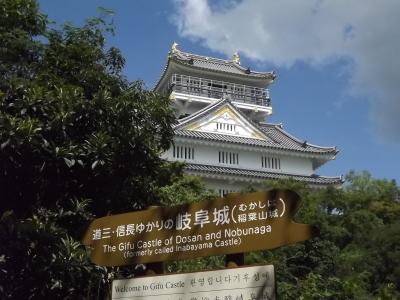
(235, 224)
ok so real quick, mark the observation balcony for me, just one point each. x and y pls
(217, 89)
(193, 93)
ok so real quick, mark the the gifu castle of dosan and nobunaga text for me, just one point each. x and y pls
(222, 133)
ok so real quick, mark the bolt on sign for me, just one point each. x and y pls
(243, 283)
(235, 224)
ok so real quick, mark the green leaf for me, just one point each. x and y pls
(104, 10)
(3, 145)
(94, 164)
(69, 162)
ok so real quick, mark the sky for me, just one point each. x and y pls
(337, 65)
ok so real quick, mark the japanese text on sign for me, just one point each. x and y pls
(238, 223)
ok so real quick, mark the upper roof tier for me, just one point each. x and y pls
(189, 64)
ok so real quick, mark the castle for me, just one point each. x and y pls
(222, 133)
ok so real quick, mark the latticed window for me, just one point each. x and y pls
(183, 152)
(226, 127)
(270, 162)
(224, 192)
(230, 158)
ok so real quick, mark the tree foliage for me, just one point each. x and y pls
(356, 255)
(77, 140)
(70, 124)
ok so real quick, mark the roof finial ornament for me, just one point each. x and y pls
(174, 48)
(236, 58)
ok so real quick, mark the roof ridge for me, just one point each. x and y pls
(203, 56)
(188, 55)
(271, 124)
(201, 112)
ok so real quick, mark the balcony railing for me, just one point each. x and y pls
(219, 89)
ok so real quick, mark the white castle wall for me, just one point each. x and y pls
(248, 159)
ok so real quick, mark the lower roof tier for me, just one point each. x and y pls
(252, 176)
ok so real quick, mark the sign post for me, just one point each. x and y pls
(236, 224)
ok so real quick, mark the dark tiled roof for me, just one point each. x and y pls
(283, 144)
(203, 63)
(275, 136)
(285, 140)
(314, 179)
(225, 138)
(216, 64)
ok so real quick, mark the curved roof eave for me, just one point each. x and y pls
(279, 127)
(184, 58)
(252, 74)
(313, 179)
(277, 138)
(197, 135)
(162, 74)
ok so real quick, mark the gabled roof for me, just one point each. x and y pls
(198, 169)
(202, 113)
(223, 111)
(209, 109)
(274, 135)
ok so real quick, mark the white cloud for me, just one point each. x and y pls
(318, 32)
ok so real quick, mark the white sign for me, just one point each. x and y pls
(244, 283)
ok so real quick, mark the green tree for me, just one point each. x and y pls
(71, 122)
(77, 140)
(357, 253)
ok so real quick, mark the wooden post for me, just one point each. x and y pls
(234, 260)
(154, 268)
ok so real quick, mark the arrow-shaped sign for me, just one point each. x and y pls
(235, 224)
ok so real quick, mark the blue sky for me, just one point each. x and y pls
(337, 71)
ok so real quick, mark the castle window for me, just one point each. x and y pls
(270, 162)
(226, 127)
(183, 152)
(224, 192)
(229, 158)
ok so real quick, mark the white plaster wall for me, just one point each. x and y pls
(250, 159)
(241, 129)
(230, 186)
(296, 165)
(217, 184)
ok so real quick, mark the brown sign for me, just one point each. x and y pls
(235, 224)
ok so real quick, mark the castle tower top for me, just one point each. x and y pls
(195, 81)
(236, 58)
